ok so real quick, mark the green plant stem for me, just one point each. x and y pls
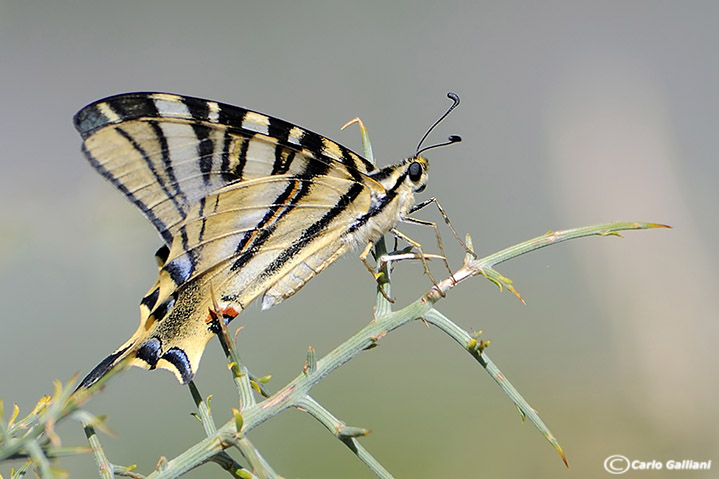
(294, 393)
(436, 318)
(223, 459)
(335, 426)
(24, 437)
(103, 465)
(39, 459)
(203, 410)
(22, 470)
(483, 266)
(55, 410)
(240, 374)
(125, 472)
(253, 456)
(382, 306)
(55, 452)
(197, 454)
(226, 462)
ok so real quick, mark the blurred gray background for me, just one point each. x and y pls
(572, 113)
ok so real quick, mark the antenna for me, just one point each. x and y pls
(452, 139)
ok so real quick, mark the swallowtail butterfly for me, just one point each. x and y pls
(248, 206)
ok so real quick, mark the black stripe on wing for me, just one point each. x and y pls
(143, 105)
(314, 230)
(146, 210)
(219, 140)
(286, 229)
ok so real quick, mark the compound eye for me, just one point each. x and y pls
(415, 171)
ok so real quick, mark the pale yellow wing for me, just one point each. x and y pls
(249, 206)
(260, 237)
(166, 152)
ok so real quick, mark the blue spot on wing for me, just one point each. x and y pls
(178, 358)
(150, 352)
(88, 120)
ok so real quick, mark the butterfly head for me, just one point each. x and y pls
(416, 173)
(408, 176)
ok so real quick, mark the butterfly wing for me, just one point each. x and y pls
(264, 237)
(248, 205)
(167, 152)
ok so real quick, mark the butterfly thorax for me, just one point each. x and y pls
(393, 201)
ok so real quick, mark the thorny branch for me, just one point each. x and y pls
(33, 437)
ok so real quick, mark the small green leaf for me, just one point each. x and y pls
(241, 473)
(239, 421)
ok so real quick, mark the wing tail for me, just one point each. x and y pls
(106, 365)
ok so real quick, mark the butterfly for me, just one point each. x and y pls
(248, 207)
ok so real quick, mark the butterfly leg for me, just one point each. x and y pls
(421, 205)
(433, 225)
(376, 275)
(418, 246)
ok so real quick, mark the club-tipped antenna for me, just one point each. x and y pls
(452, 139)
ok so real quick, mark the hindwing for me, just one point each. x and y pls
(232, 249)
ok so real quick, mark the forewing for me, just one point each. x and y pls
(166, 152)
(248, 236)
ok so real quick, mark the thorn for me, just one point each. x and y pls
(471, 255)
(516, 293)
(375, 340)
(346, 432)
(468, 242)
(379, 336)
(311, 362)
(13, 416)
(555, 444)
